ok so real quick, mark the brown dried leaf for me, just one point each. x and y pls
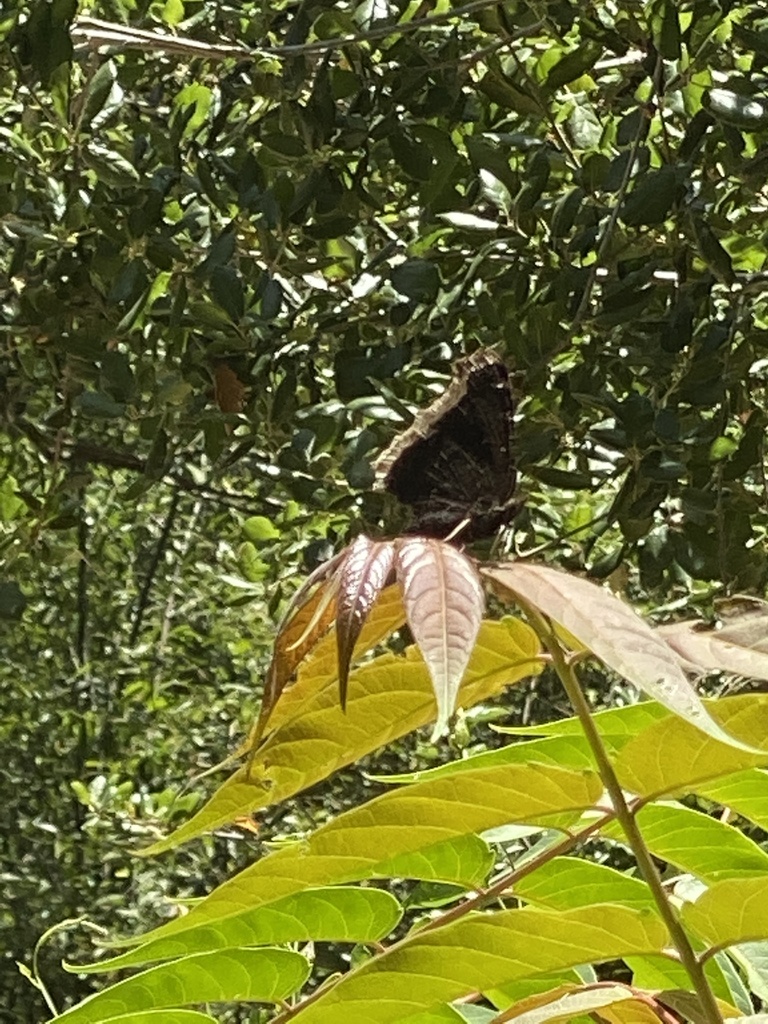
(310, 615)
(228, 388)
(362, 577)
(444, 604)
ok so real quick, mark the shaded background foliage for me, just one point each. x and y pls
(235, 255)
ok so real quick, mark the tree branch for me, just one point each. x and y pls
(94, 33)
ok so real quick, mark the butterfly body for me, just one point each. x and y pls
(454, 465)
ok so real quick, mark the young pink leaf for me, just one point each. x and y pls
(709, 650)
(444, 604)
(613, 632)
(362, 577)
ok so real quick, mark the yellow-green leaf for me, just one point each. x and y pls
(235, 975)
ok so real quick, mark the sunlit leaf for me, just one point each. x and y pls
(567, 1002)
(410, 820)
(710, 650)
(644, 766)
(444, 603)
(363, 575)
(482, 952)
(614, 632)
(235, 975)
(339, 914)
(729, 912)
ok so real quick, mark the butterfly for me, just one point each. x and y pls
(454, 465)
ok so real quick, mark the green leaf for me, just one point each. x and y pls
(163, 1017)
(643, 768)
(97, 93)
(652, 198)
(705, 847)
(745, 792)
(387, 698)
(260, 530)
(666, 28)
(625, 721)
(290, 146)
(12, 601)
(730, 912)
(566, 211)
(563, 883)
(417, 279)
(740, 111)
(722, 448)
(11, 505)
(465, 860)
(341, 914)
(97, 405)
(414, 158)
(406, 821)
(47, 38)
(566, 751)
(110, 166)
(227, 291)
(236, 975)
(574, 64)
(712, 252)
(173, 12)
(220, 253)
(508, 96)
(483, 952)
(117, 376)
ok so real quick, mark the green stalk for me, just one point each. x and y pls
(626, 818)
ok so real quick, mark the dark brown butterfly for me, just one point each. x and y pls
(454, 465)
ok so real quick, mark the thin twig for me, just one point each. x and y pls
(146, 587)
(94, 32)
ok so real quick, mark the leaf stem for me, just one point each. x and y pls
(627, 820)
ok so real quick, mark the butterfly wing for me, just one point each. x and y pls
(454, 465)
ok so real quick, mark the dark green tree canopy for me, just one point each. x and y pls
(242, 242)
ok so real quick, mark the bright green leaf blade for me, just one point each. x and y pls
(163, 1017)
(538, 984)
(388, 698)
(342, 914)
(655, 972)
(465, 860)
(729, 912)
(645, 767)
(744, 792)
(479, 953)
(615, 722)
(566, 751)
(706, 847)
(237, 975)
(401, 822)
(566, 882)
(440, 1015)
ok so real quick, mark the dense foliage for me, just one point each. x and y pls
(239, 242)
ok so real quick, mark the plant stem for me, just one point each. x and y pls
(626, 818)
